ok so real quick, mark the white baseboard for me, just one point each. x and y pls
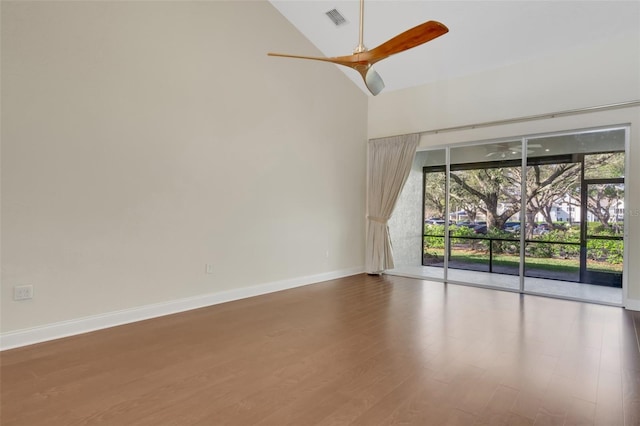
(632, 304)
(15, 339)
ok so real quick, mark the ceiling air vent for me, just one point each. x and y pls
(336, 17)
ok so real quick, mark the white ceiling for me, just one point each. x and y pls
(483, 35)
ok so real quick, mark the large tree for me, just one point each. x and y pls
(548, 184)
(495, 191)
(602, 198)
(492, 188)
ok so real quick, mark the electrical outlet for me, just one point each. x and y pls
(22, 292)
(209, 268)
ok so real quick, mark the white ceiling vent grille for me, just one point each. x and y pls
(336, 17)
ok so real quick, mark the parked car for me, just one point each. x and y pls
(480, 229)
(542, 228)
(511, 227)
(434, 221)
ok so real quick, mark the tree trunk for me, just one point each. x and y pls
(531, 218)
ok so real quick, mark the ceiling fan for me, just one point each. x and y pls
(362, 59)
(504, 149)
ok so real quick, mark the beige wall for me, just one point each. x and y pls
(142, 140)
(606, 73)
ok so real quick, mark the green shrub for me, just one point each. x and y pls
(601, 250)
(435, 238)
(605, 250)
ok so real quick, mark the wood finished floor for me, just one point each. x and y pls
(356, 351)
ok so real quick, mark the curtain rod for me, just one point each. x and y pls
(534, 117)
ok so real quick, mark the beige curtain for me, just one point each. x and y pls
(390, 162)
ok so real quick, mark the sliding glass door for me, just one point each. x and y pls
(542, 215)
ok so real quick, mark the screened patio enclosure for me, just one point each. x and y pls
(540, 214)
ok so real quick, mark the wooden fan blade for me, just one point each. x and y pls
(411, 38)
(351, 61)
(358, 62)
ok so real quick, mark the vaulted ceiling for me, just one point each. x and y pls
(483, 35)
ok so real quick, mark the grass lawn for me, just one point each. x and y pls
(549, 264)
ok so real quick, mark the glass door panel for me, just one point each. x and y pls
(484, 194)
(434, 217)
(434, 213)
(575, 194)
(552, 237)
